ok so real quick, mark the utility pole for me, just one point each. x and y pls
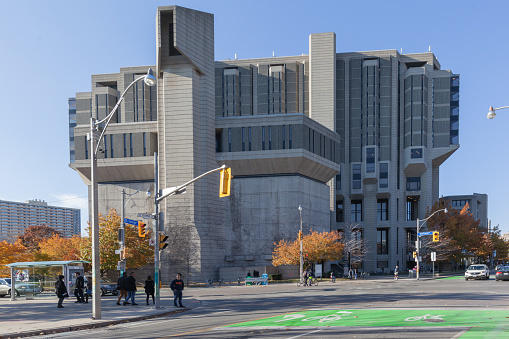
(94, 225)
(156, 233)
(417, 245)
(122, 234)
(301, 259)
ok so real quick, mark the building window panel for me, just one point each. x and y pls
(243, 140)
(412, 208)
(356, 211)
(413, 183)
(382, 245)
(340, 213)
(383, 181)
(229, 139)
(356, 176)
(370, 160)
(383, 209)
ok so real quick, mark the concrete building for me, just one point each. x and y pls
(477, 202)
(286, 126)
(15, 217)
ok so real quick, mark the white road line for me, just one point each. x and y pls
(301, 335)
(459, 334)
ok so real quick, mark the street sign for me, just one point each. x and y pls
(433, 256)
(495, 253)
(145, 215)
(117, 251)
(131, 222)
(424, 233)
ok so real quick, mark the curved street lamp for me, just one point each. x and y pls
(150, 80)
(491, 112)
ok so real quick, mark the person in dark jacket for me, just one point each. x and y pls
(121, 287)
(78, 290)
(88, 289)
(149, 289)
(177, 286)
(130, 283)
(60, 290)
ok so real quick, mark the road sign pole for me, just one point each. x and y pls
(417, 250)
(156, 233)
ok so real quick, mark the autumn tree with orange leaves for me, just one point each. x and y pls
(317, 247)
(58, 248)
(12, 252)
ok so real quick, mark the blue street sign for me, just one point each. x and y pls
(131, 222)
(424, 233)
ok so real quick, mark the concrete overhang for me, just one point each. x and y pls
(288, 161)
(117, 169)
(441, 154)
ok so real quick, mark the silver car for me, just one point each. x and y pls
(477, 271)
(22, 288)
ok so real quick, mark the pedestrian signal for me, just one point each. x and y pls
(162, 241)
(142, 230)
(436, 236)
(225, 181)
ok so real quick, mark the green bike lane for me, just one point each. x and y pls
(479, 323)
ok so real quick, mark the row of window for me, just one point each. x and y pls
(266, 140)
(413, 183)
(356, 210)
(108, 149)
(382, 239)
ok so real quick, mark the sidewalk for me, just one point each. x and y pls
(31, 317)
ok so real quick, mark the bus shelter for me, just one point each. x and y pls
(68, 268)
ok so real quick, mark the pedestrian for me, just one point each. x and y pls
(130, 282)
(79, 286)
(396, 272)
(88, 289)
(248, 274)
(61, 290)
(332, 277)
(305, 277)
(350, 274)
(149, 289)
(121, 288)
(177, 286)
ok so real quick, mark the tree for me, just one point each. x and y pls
(12, 252)
(33, 235)
(354, 245)
(183, 249)
(317, 247)
(58, 248)
(138, 251)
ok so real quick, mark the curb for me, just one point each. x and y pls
(88, 326)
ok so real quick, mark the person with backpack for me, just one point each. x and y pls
(177, 286)
(61, 290)
(149, 289)
(79, 286)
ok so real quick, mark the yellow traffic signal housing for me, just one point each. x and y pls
(142, 231)
(225, 182)
(162, 241)
(299, 236)
(436, 236)
(414, 254)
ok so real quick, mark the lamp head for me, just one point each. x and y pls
(150, 79)
(491, 113)
(445, 210)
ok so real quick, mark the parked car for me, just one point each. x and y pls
(502, 273)
(109, 289)
(477, 271)
(22, 288)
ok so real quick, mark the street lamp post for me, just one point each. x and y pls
(418, 243)
(491, 112)
(301, 259)
(149, 80)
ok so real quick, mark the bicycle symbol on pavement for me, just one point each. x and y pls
(321, 318)
(426, 317)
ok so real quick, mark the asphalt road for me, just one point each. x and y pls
(222, 307)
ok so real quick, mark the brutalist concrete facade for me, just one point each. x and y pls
(355, 138)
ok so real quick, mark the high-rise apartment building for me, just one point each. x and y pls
(356, 139)
(15, 217)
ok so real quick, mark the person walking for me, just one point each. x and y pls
(149, 289)
(396, 272)
(305, 277)
(332, 277)
(121, 287)
(88, 289)
(61, 290)
(177, 286)
(131, 289)
(79, 286)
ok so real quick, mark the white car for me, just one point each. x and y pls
(477, 271)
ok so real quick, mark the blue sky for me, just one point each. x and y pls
(49, 49)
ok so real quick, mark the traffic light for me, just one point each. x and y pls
(414, 254)
(142, 231)
(162, 241)
(225, 181)
(436, 236)
(299, 236)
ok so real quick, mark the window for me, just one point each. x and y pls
(338, 182)
(111, 145)
(413, 183)
(290, 136)
(381, 241)
(243, 141)
(356, 215)
(270, 137)
(130, 144)
(230, 91)
(263, 138)
(86, 147)
(412, 208)
(144, 145)
(125, 146)
(340, 216)
(370, 160)
(249, 138)
(383, 209)
(283, 134)
(275, 88)
(229, 139)
(383, 175)
(356, 176)
(105, 146)
(416, 153)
